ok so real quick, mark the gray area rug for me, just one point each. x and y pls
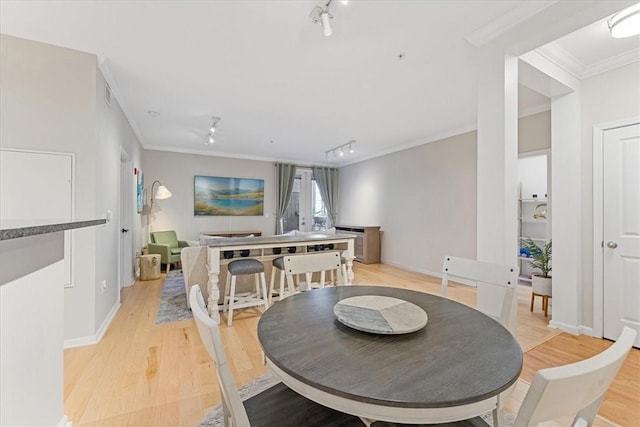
(215, 418)
(173, 302)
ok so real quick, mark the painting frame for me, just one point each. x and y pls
(139, 191)
(227, 196)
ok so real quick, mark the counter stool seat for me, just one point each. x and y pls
(243, 267)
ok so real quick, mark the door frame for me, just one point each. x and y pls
(125, 218)
(598, 220)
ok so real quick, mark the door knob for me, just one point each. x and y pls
(125, 230)
(611, 244)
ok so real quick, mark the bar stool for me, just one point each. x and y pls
(244, 267)
(277, 265)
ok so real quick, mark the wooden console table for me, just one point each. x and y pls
(367, 245)
(265, 249)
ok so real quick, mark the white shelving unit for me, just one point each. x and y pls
(533, 177)
(535, 229)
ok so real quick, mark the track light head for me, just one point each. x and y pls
(326, 23)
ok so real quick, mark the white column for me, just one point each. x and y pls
(566, 154)
(497, 158)
(497, 222)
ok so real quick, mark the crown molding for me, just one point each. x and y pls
(103, 66)
(494, 29)
(572, 65)
(612, 63)
(562, 59)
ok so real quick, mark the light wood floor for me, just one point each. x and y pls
(141, 374)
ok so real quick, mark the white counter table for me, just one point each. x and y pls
(265, 249)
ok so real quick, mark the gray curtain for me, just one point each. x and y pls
(327, 181)
(286, 175)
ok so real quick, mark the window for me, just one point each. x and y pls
(306, 210)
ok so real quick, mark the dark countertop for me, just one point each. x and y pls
(14, 229)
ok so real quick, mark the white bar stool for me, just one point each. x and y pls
(243, 267)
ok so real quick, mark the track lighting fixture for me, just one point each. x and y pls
(340, 150)
(212, 129)
(322, 15)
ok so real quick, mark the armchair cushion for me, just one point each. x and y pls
(166, 244)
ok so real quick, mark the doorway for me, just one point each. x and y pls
(616, 228)
(125, 264)
(306, 210)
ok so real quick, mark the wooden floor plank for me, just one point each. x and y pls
(143, 374)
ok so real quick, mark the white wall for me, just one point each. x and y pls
(176, 172)
(607, 97)
(51, 101)
(424, 198)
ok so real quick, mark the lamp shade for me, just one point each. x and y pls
(163, 193)
(625, 23)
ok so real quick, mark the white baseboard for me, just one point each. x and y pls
(571, 329)
(417, 270)
(587, 330)
(64, 422)
(93, 339)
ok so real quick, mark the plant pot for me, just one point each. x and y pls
(541, 285)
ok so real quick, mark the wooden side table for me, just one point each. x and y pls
(150, 267)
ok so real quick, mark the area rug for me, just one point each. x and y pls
(215, 417)
(173, 302)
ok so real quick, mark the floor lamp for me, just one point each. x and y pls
(160, 194)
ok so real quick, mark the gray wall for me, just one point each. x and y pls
(424, 198)
(176, 172)
(534, 132)
(51, 101)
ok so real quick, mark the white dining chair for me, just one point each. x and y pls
(496, 284)
(575, 390)
(276, 406)
(307, 264)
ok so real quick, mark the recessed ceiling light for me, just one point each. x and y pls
(625, 23)
(153, 113)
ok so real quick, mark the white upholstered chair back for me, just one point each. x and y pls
(577, 388)
(496, 284)
(312, 263)
(232, 406)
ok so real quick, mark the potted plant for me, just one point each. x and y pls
(540, 258)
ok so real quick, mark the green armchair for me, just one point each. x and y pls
(167, 245)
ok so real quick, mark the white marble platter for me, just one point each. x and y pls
(380, 315)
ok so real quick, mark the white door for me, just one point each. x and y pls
(621, 230)
(126, 270)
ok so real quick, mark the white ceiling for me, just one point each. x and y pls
(283, 91)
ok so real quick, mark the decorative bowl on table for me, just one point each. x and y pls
(380, 315)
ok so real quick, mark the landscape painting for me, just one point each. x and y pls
(220, 196)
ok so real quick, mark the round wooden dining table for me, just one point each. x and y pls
(452, 369)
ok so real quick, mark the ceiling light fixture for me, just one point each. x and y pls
(625, 23)
(322, 15)
(212, 129)
(340, 150)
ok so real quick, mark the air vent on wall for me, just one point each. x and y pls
(107, 94)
